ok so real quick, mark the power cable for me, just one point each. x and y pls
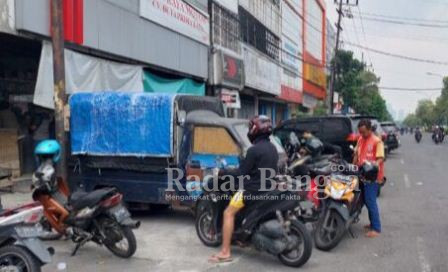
(397, 55)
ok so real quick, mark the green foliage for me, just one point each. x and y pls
(359, 87)
(428, 113)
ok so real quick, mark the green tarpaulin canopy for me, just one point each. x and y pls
(156, 84)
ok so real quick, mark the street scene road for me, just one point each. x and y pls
(414, 217)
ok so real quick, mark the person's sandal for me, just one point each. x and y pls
(217, 259)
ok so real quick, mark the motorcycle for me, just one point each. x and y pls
(436, 138)
(272, 226)
(20, 247)
(98, 216)
(342, 205)
(418, 136)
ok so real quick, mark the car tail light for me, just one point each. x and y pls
(353, 137)
(112, 201)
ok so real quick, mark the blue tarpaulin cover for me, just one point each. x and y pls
(122, 124)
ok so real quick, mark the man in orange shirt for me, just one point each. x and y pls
(370, 148)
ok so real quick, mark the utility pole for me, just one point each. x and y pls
(60, 97)
(333, 68)
(336, 49)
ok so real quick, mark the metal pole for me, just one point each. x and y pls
(333, 68)
(60, 98)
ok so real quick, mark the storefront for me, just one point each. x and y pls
(110, 45)
(292, 51)
(227, 66)
(314, 53)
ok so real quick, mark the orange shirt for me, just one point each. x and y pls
(371, 149)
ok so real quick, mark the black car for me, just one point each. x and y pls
(392, 139)
(341, 130)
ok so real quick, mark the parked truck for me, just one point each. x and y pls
(139, 142)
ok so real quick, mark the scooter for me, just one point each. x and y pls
(271, 226)
(99, 216)
(20, 247)
(418, 136)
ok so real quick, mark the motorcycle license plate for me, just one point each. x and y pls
(120, 213)
(29, 231)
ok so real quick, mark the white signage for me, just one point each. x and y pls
(260, 72)
(231, 99)
(179, 16)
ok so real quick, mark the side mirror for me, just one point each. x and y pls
(181, 117)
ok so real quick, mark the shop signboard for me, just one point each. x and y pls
(178, 16)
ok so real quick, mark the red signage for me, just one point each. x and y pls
(73, 16)
(291, 95)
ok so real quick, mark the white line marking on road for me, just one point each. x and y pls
(407, 183)
(424, 265)
(402, 161)
(419, 183)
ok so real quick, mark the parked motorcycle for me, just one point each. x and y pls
(99, 216)
(20, 247)
(343, 204)
(272, 226)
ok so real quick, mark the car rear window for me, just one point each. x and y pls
(335, 129)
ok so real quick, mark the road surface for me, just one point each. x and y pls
(414, 238)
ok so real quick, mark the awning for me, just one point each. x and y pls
(157, 84)
(84, 73)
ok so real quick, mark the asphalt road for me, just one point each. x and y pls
(414, 238)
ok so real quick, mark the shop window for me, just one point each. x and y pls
(226, 29)
(214, 140)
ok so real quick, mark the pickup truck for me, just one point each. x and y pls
(137, 142)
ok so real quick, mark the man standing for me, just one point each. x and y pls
(370, 148)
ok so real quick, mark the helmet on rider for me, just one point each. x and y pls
(48, 149)
(259, 126)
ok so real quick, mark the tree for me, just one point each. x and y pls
(441, 106)
(425, 112)
(412, 121)
(359, 87)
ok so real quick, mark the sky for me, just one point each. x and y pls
(413, 41)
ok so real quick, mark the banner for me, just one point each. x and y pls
(178, 16)
(260, 72)
(84, 73)
(156, 84)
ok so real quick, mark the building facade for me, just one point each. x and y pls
(314, 59)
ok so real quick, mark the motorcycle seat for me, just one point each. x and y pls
(81, 199)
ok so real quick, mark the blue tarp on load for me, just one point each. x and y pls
(121, 124)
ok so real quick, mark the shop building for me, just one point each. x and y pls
(226, 63)
(314, 53)
(135, 45)
(260, 30)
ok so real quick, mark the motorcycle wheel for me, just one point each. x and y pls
(304, 249)
(205, 228)
(18, 259)
(122, 243)
(328, 237)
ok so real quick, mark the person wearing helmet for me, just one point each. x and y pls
(370, 149)
(261, 155)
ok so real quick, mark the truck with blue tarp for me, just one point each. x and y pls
(135, 141)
